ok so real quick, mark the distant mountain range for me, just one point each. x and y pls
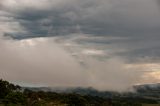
(147, 91)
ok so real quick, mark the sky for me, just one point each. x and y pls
(104, 44)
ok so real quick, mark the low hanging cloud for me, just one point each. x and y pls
(38, 61)
(43, 62)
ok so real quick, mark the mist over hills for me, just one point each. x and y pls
(13, 95)
(146, 91)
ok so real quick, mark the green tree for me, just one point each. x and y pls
(6, 88)
(15, 98)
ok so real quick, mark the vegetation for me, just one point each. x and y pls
(13, 95)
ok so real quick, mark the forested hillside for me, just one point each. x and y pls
(14, 95)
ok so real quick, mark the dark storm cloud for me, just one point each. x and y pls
(136, 20)
(116, 18)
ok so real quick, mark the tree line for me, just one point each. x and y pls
(14, 95)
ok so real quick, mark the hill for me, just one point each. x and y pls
(14, 95)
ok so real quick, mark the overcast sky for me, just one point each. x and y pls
(105, 44)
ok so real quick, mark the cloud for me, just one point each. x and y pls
(39, 61)
(43, 62)
(125, 18)
(90, 35)
(93, 52)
